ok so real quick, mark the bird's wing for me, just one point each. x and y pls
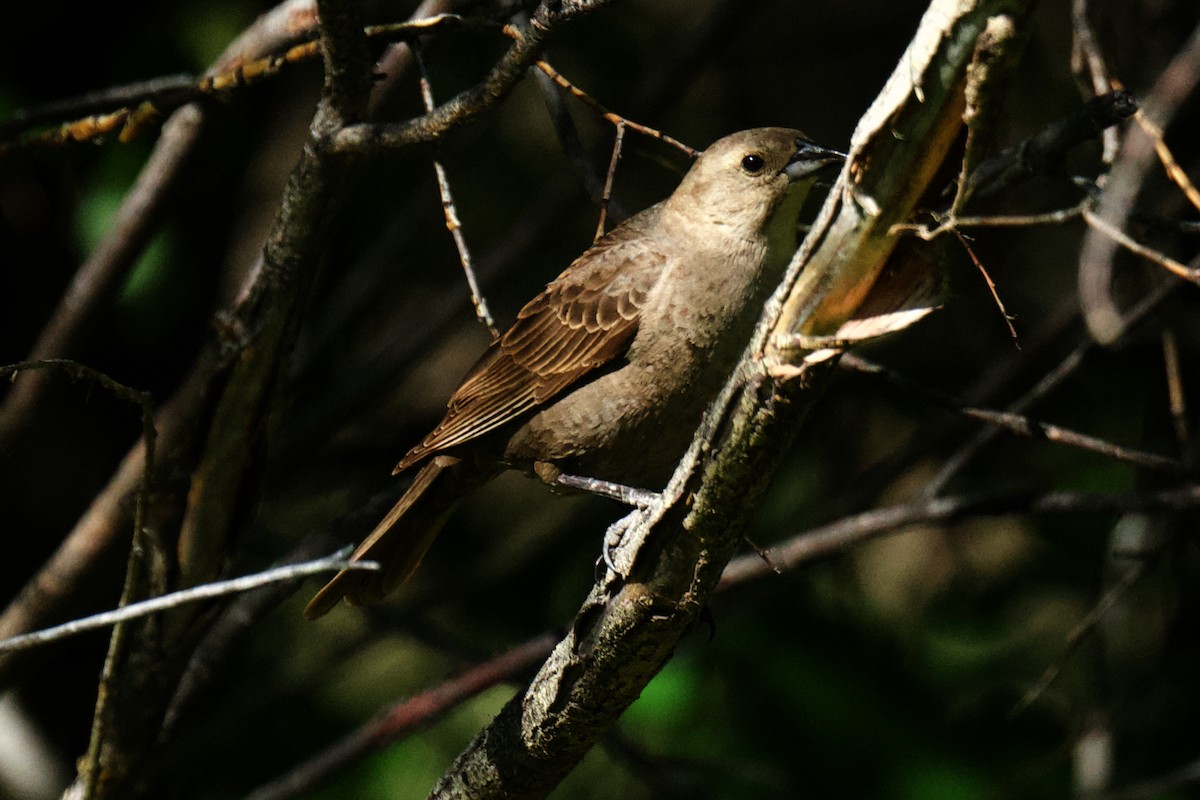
(584, 319)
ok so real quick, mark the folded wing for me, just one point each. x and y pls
(586, 318)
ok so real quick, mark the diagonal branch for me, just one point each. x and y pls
(102, 272)
(528, 40)
(214, 428)
(1132, 167)
(1020, 424)
(673, 553)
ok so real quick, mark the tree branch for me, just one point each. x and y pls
(673, 553)
(529, 38)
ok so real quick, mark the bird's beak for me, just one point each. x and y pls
(811, 158)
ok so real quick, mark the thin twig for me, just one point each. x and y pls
(396, 59)
(950, 223)
(453, 224)
(615, 119)
(1048, 382)
(144, 400)
(207, 591)
(509, 69)
(1129, 243)
(129, 95)
(1137, 156)
(246, 73)
(1090, 70)
(126, 107)
(99, 277)
(855, 529)
(236, 620)
(1008, 320)
(1173, 170)
(1046, 151)
(568, 136)
(1015, 423)
(404, 717)
(606, 195)
(1076, 636)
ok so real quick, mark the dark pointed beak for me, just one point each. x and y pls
(811, 158)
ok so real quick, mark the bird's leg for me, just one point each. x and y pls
(629, 495)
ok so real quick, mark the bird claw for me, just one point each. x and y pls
(612, 540)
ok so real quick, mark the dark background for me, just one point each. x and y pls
(888, 670)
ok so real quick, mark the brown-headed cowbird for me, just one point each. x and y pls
(607, 372)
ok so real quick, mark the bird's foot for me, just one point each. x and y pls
(612, 540)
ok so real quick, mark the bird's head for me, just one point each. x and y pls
(743, 180)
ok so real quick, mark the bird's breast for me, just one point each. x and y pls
(631, 423)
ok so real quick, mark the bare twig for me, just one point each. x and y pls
(1046, 151)
(1050, 381)
(1090, 70)
(107, 520)
(164, 602)
(406, 716)
(453, 224)
(1175, 172)
(949, 224)
(991, 285)
(1015, 423)
(1098, 223)
(1076, 636)
(606, 195)
(246, 73)
(79, 371)
(837, 536)
(564, 126)
(465, 106)
(568, 136)
(396, 59)
(236, 620)
(615, 119)
(24, 608)
(1174, 85)
(101, 101)
(98, 278)
(127, 109)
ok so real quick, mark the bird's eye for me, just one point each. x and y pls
(753, 164)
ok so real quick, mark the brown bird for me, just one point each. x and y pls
(607, 372)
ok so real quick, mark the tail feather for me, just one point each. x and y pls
(401, 538)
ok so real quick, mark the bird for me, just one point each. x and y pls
(606, 373)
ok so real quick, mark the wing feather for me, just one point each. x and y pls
(584, 319)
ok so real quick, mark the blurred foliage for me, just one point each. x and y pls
(887, 671)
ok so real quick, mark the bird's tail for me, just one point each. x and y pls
(401, 538)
